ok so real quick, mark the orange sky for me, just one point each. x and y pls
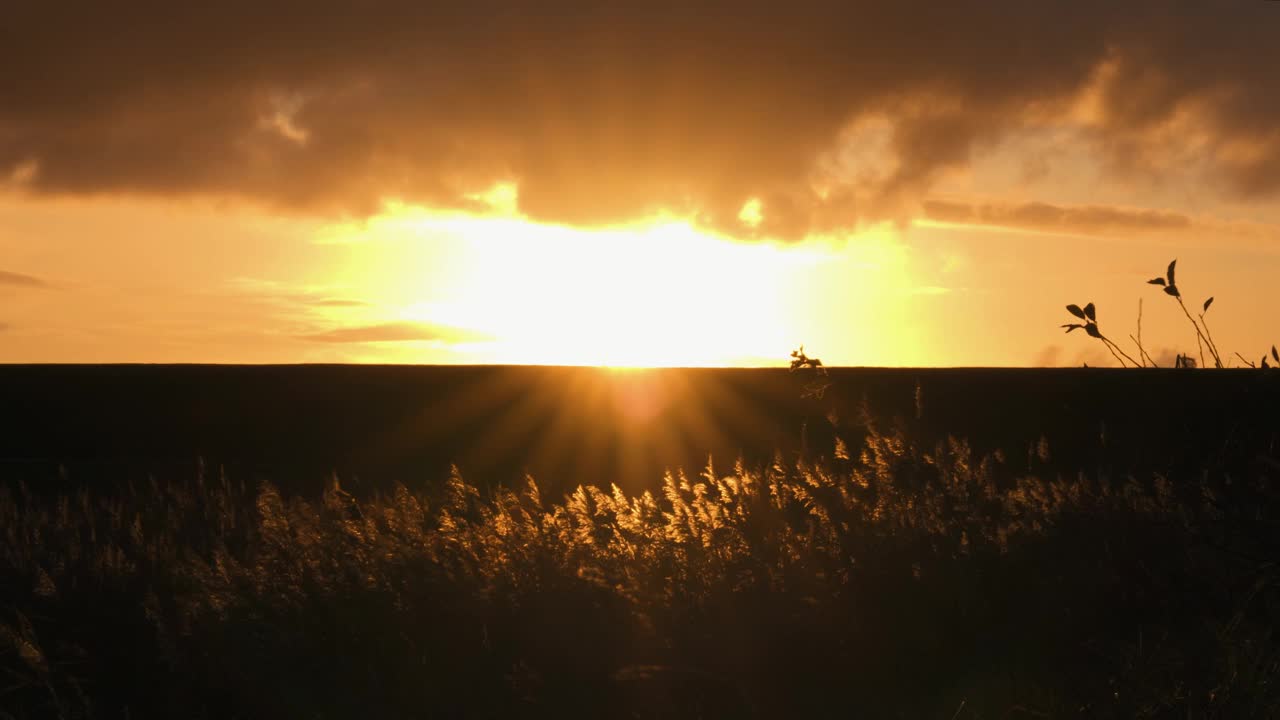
(656, 186)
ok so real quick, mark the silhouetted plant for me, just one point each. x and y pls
(1263, 362)
(816, 384)
(1203, 337)
(1090, 316)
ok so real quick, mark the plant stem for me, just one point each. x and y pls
(1138, 341)
(1199, 335)
(1213, 347)
(1142, 353)
(1114, 355)
(1116, 348)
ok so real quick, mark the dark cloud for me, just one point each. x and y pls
(393, 332)
(1086, 219)
(601, 112)
(13, 279)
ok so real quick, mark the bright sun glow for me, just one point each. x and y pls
(655, 295)
(650, 294)
(658, 293)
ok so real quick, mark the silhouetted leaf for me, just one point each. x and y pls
(1170, 273)
(1075, 310)
(1093, 331)
(1073, 326)
(1274, 355)
(1264, 362)
(1156, 281)
(1172, 290)
(1207, 303)
(1090, 312)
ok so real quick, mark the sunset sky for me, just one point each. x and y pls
(659, 183)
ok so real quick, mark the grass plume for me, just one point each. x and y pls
(904, 578)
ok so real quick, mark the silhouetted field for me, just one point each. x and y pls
(296, 425)
(1103, 544)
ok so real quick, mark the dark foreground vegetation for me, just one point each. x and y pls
(903, 576)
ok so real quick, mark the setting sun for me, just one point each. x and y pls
(652, 293)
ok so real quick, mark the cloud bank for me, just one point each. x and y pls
(13, 279)
(1046, 217)
(603, 113)
(393, 332)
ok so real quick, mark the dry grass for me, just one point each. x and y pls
(903, 581)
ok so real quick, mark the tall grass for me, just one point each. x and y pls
(899, 579)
